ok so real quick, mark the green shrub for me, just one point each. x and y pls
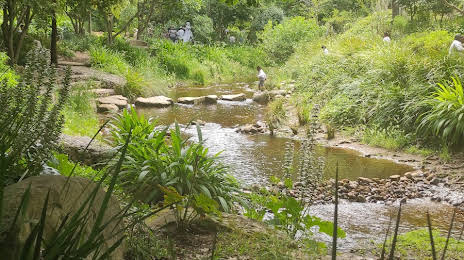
(275, 114)
(279, 41)
(445, 119)
(66, 167)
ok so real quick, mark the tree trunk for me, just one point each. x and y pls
(109, 28)
(53, 41)
(395, 9)
(89, 29)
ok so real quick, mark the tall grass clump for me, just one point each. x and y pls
(445, 119)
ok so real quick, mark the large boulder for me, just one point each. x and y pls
(74, 147)
(237, 97)
(118, 100)
(65, 197)
(158, 101)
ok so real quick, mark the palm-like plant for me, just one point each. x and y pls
(445, 119)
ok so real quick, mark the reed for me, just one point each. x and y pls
(395, 235)
(335, 222)
(449, 234)
(432, 244)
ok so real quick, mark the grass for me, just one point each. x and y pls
(62, 163)
(268, 244)
(80, 116)
(416, 244)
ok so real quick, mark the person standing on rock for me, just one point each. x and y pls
(261, 77)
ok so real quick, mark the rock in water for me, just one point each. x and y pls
(237, 97)
(210, 99)
(61, 202)
(190, 100)
(157, 101)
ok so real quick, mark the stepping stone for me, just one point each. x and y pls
(118, 100)
(158, 101)
(190, 100)
(103, 92)
(107, 108)
(238, 97)
(210, 99)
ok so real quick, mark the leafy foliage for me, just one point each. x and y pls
(187, 174)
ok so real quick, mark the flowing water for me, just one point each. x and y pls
(254, 158)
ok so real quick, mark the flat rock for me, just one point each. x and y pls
(107, 108)
(395, 177)
(190, 100)
(266, 96)
(103, 92)
(82, 73)
(210, 99)
(117, 100)
(237, 97)
(157, 101)
(74, 147)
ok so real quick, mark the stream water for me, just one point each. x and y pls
(254, 158)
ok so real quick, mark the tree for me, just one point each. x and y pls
(17, 16)
(78, 11)
(110, 9)
(145, 10)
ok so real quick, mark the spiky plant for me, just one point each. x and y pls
(445, 119)
(30, 118)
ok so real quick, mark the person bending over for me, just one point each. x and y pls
(456, 44)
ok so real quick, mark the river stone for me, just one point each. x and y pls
(103, 92)
(74, 147)
(61, 203)
(157, 101)
(237, 97)
(210, 99)
(261, 97)
(117, 100)
(189, 100)
(364, 180)
(395, 177)
(107, 108)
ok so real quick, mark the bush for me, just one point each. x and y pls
(272, 14)
(279, 41)
(180, 169)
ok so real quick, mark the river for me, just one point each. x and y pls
(254, 158)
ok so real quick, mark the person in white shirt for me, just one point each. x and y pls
(386, 38)
(325, 50)
(456, 44)
(262, 77)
